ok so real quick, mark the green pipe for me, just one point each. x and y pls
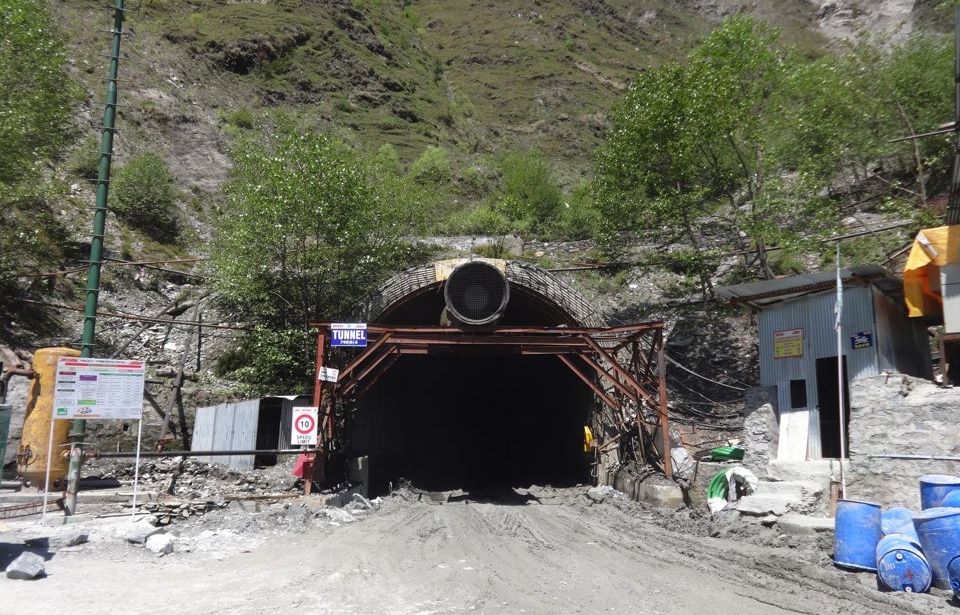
(78, 427)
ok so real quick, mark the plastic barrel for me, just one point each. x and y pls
(939, 532)
(953, 572)
(901, 565)
(894, 518)
(907, 529)
(856, 535)
(952, 499)
(933, 488)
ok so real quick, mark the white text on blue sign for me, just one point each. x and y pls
(348, 334)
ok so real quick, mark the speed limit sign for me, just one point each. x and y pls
(303, 431)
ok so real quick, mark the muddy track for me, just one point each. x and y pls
(561, 554)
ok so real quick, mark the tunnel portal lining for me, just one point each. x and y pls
(622, 366)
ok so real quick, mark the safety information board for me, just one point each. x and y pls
(98, 389)
(303, 430)
(788, 343)
(348, 334)
(328, 374)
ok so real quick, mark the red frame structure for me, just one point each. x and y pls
(623, 366)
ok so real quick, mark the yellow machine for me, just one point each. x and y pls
(32, 460)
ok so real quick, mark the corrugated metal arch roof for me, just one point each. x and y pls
(535, 280)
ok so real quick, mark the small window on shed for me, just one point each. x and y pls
(798, 394)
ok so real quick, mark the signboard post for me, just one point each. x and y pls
(303, 430)
(348, 334)
(98, 389)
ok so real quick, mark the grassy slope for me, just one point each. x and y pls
(476, 77)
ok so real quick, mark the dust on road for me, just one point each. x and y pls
(542, 552)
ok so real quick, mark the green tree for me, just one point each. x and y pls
(748, 145)
(143, 195)
(35, 94)
(687, 145)
(35, 100)
(312, 228)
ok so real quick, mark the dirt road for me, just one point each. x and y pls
(561, 553)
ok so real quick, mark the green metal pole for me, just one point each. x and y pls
(96, 249)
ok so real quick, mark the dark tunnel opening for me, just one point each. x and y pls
(474, 421)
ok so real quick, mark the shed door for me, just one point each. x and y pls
(829, 406)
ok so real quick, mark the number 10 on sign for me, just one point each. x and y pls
(303, 430)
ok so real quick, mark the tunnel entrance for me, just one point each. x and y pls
(449, 406)
(474, 422)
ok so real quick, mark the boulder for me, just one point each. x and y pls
(161, 544)
(139, 532)
(26, 566)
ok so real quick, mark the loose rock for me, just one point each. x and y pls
(139, 532)
(161, 544)
(26, 566)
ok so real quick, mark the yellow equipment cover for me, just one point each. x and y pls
(933, 248)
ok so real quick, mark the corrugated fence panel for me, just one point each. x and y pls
(202, 439)
(244, 437)
(222, 433)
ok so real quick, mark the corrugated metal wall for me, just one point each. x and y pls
(903, 345)
(815, 315)
(899, 344)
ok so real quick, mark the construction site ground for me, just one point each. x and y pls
(538, 550)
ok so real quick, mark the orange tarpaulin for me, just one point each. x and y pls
(933, 248)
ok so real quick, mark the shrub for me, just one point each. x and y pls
(433, 166)
(240, 118)
(142, 194)
(529, 186)
(84, 162)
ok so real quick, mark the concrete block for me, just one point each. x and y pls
(793, 523)
(797, 489)
(26, 566)
(763, 505)
(661, 496)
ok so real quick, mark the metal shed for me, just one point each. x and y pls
(798, 347)
(255, 424)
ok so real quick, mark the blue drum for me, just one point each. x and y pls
(901, 565)
(934, 487)
(856, 535)
(892, 519)
(939, 532)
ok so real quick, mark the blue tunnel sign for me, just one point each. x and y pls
(348, 334)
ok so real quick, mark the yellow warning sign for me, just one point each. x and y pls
(788, 343)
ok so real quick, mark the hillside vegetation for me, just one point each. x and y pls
(718, 141)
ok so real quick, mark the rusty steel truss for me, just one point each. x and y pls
(623, 366)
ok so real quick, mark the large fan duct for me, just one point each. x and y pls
(476, 293)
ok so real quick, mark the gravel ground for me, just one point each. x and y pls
(540, 551)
